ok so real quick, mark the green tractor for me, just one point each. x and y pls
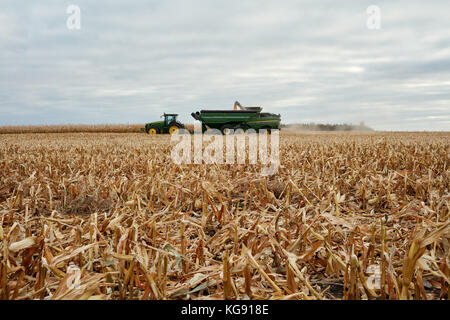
(169, 125)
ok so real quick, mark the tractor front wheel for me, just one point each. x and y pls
(153, 130)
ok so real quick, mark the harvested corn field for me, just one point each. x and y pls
(109, 216)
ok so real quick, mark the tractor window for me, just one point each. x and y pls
(169, 119)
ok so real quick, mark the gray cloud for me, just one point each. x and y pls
(310, 61)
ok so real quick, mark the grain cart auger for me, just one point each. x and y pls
(169, 125)
(245, 118)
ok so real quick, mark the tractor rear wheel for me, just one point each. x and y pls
(174, 129)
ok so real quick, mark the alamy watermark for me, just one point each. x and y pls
(374, 17)
(236, 143)
(73, 22)
(74, 277)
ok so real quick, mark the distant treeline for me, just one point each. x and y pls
(326, 127)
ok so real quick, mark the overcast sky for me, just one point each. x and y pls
(310, 61)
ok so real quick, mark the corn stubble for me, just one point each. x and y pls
(348, 216)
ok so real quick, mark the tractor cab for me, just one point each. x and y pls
(169, 118)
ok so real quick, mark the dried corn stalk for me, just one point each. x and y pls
(109, 216)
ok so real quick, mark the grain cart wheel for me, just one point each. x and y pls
(174, 129)
(153, 130)
(268, 129)
(240, 130)
(226, 129)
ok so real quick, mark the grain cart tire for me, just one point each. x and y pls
(269, 129)
(226, 129)
(174, 128)
(153, 130)
(240, 130)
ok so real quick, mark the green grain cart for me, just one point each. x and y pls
(245, 118)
